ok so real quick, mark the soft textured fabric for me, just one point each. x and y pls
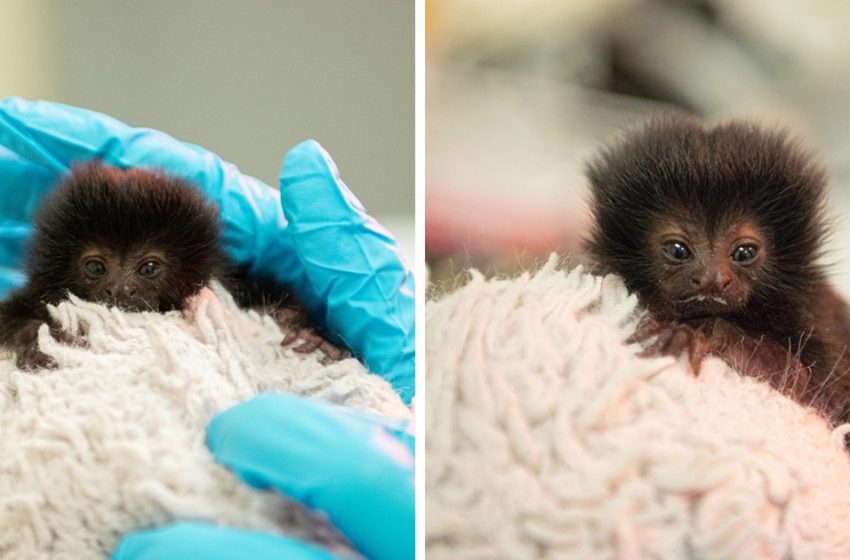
(113, 440)
(548, 437)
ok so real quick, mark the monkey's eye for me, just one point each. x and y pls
(149, 269)
(744, 253)
(676, 251)
(95, 268)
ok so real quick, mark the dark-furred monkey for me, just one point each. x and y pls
(719, 230)
(137, 239)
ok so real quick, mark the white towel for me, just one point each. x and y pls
(548, 437)
(113, 440)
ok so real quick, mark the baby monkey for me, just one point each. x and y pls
(719, 231)
(136, 239)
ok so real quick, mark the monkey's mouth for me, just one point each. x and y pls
(698, 298)
(134, 305)
(703, 305)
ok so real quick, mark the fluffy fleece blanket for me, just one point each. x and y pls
(113, 440)
(548, 437)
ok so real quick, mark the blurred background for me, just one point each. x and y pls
(520, 92)
(247, 80)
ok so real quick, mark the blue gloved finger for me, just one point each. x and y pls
(208, 542)
(356, 471)
(353, 264)
(22, 184)
(14, 237)
(53, 136)
(11, 278)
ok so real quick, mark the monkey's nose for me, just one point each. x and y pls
(723, 280)
(121, 291)
(712, 281)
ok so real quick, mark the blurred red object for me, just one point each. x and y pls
(484, 226)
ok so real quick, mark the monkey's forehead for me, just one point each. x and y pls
(141, 249)
(691, 226)
(123, 215)
(682, 158)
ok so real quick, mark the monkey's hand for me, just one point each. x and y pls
(673, 338)
(754, 356)
(28, 356)
(296, 322)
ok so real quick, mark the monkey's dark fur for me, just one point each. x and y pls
(137, 239)
(781, 320)
(98, 206)
(122, 210)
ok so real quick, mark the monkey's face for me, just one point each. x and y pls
(137, 280)
(701, 273)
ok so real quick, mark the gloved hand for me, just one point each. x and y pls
(313, 235)
(355, 467)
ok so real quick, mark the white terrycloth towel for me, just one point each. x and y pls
(113, 440)
(548, 437)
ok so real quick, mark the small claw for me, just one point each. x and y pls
(660, 345)
(646, 328)
(674, 340)
(696, 353)
(333, 353)
(290, 337)
(67, 338)
(310, 342)
(685, 339)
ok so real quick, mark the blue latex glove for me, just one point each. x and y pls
(355, 467)
(313, 235)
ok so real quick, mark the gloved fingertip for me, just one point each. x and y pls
(244, 416)
(307, 158)
(10, 101)
(311, 189)
(11, 279)
(238, 436)
(189, 539)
